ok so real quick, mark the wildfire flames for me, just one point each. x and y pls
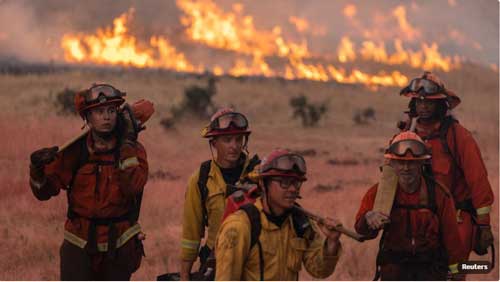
(254, 49)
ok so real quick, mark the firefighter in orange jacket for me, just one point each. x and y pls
(104, 174)
(456, 158)
(420, 237)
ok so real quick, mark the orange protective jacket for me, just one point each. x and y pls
(102, 188)
(471, 181)
(420, 230)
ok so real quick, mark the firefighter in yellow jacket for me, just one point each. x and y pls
(270, 240)
(207, 190)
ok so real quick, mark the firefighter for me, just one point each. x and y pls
(205, 199)
(269, 240)
(420, 235)
(103, 174)
(456, 158)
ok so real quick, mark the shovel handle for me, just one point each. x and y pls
(338, 228)
(73, 140)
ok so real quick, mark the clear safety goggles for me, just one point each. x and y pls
(287, 162)
(102, 92)
(423, 86)
(401, 148)
(225, 121)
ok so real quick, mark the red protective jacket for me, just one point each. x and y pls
(102, 189)
(420, 230)
(471, 181)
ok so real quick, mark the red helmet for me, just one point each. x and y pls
(282, 162)
(407, 145)
(226, 122)
(429, 86)
(98, 95)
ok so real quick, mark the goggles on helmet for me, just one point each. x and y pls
(286, 182)
(225, 121)
(400, 148)
(101, 93)
(286, 162)
(423, 86)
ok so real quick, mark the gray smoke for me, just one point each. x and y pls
(31, 30)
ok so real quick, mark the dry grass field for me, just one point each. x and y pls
(32, 231)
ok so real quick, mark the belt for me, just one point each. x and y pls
(103, 247)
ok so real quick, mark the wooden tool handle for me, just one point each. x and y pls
(73, 140)
(339, 228)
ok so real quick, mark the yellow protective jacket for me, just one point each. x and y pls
(283, 251)
(192, 224)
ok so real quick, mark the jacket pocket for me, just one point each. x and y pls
(84, 181)
(297, 248)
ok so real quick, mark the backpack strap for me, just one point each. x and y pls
(430, 182)
(255, 229)
(83, 156)
(254, 161)
(202, 186)
(301, 223)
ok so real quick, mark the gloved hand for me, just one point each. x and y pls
(130, 126)
(484, 238)
(40, 158)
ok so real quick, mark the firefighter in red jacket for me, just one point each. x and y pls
(103, 174)
(420, 235)
(456, 158)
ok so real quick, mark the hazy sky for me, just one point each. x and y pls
(31, 30)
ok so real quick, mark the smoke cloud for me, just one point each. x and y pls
(32, 30)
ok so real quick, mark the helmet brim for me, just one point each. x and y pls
(227, 132)
(407, 158)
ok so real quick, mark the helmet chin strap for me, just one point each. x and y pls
(267, 199)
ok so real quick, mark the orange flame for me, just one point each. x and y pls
(301, 25)
(408, 31)
(350, 11)
(116, 47)
(428, 57)
(205, 23)
(346, 50)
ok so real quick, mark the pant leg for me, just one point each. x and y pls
(127, 260)
(390, 272)
(465, 230)
(75, 263)
(431, 272)
(412, 272)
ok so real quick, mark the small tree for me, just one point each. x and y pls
(309, 113)
(364, 116)
(65, 102)
(197, 101)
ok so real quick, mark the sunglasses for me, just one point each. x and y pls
(286, 182)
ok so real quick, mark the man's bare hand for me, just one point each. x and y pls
(376, 220)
